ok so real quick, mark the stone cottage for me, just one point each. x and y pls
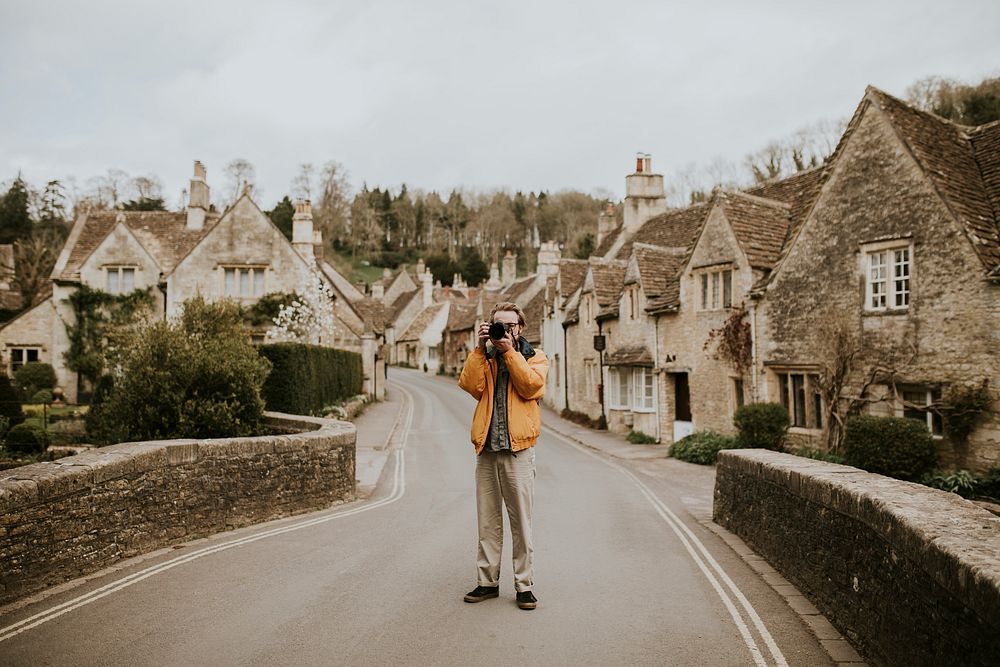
(238, 255)
(894, 275)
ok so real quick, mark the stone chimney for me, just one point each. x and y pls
(426, 285)
(302, 230)
(548, 261)
(644, 195)
(198, 199)
(508, 274)
(494, 282)
(420, 268)
(378, 290)
(606, 223)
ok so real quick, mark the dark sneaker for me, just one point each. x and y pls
(482, 593)
(526, 600)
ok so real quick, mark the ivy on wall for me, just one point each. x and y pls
(97, 315)
(733, 342)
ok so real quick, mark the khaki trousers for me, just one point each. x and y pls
(505, 478)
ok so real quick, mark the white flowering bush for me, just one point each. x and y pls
(309, 318)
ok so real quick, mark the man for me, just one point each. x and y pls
(507, 378)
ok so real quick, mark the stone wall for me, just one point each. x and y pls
(64, 519)
(910, 574)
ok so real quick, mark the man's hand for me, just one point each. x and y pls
(484, 335)
(504, 344)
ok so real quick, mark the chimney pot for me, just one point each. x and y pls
(638, 162)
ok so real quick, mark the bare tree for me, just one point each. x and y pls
(34, 259)
(240, 174)
(332, 213)
(302, 184)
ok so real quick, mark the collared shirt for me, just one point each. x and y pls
(498, 439)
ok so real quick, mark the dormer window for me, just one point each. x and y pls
(119, 279)
(716, 289)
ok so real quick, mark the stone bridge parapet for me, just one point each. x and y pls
(63, 519)
(910, 574)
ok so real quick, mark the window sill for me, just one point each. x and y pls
(805, 430)
(887, 312)
(644, 411)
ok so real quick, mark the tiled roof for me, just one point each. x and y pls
(608, 242)
(372, 313)
(949, 157)
(163, 234)
(760, 225)
(401, 302)
(659, 270)
(609, 277)
(676, 228)
(634, 355)
(517, 288)
(534, 311)
(571, 275)
(421, 322)
(462, 317)
(986, 144)
(799, 191)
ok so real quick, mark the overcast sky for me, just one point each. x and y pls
(533, 95)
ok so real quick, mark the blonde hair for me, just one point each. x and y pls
(512, 307)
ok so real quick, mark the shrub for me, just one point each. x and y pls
(640, 438)
(10, 403)
(761, 425)
(35, 376)
(306, 378)
(701, 447)
(893, 446)
(197, 377)
(962, 482)
(26, 439)
(989, 484)
(43, 396)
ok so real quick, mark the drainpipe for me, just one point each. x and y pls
(656, 356)
(753, 350)
(565, 376)
(600, 387)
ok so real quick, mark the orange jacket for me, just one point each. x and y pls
(525, 389)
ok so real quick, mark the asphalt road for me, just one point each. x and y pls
(624, 574)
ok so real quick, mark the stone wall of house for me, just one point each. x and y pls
(583, 394)
(949, 333)
(910, 574)
(630, 329)
(682, 336)
(244, 236)
(64, 519)
(33, 328)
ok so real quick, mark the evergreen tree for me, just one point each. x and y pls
(15, 220)
(281, 215)
(10, 403)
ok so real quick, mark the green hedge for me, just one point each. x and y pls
(26, 439)
(307, 378)
(761, 425)
(892, 446)
(701, 447)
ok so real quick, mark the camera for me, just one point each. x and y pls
(498, 330)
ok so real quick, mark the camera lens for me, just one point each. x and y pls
(498, 331)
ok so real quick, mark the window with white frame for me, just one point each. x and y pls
(243, 281)
(800, 394)
(918, 403)
(620, 388)
(119, 279)
(717, 289)
(642, 389)
(887, 278)
(19, 356)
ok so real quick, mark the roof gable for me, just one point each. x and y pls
(760, 226)
(946, 154)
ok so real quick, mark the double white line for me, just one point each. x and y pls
(706, 563)
(397, 441)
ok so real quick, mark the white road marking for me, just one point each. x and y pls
(704, 561)
(398, 490)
